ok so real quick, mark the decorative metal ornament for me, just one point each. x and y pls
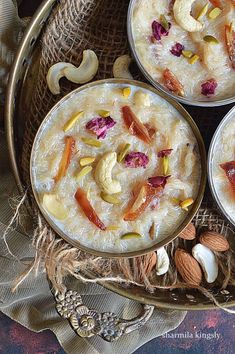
(87, 323)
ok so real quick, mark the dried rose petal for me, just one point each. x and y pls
(164, 153)
(177, 49)
(229, 168)
(100, 126)
(159, 30)
(136, 159)
(208, 88)
(158, 181)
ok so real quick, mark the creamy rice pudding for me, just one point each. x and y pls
(116, 167)
(223, 167)
(188, 46)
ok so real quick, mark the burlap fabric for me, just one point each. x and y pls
(33, 304)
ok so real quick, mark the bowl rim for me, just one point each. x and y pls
(157, 85)
(216, 135)
(193, 210)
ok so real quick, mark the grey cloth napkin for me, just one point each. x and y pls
(33, 304)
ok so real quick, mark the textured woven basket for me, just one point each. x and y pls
(100, 25)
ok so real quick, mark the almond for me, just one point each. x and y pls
(189, 233)
(188, 267)
(214, 241)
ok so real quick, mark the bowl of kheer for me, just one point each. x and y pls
(117, 168)
(221, 166)
(186, 48)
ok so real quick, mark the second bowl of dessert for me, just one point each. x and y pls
(186, 48)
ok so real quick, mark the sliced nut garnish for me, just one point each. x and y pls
(55, 73)
(130, 235)
(207, 260)
(92, 142)
(86, 71)
(111, 199)
(187, 53)
(163, 261)
(121, 67)
(123, 153)
(186, 203)
(210, 39)
(126, 92)
(182, 13)
(52, 204)
(103, 113)
(72, 121)
(164, 22)
(142, 98)
(113, 228)
(214, 13)
(193, 59)
(165, 164)
(203, 11)
(83, 172)
(103, 174)
(84, 161)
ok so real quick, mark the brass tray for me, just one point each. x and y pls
(21, 83)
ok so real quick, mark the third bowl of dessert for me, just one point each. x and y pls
(186, 48)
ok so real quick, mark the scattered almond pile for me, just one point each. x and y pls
(202, 259)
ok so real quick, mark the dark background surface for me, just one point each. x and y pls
(201, 332)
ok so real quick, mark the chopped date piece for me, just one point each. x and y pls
(100, 126)
(146, 196)
(159, 30)
(229, 168)
(230, 43)
(164, 153)
(136, 159)
(177, 49)
(135, 126)
(172, 83)
(88, 210)
(208, 87)
(158, 181)
(66, 158)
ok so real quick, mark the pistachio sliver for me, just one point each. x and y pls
(126, 92)
(108, 198)
(103, 113)
(164, 22)
(193, 59)
(112, 228)
(92, 142)
(130, 235)
(203, 11)
(165, 162)
(123, 153)
(70, 123)
(84, 161)
(83, 172)
(210, 39)
(187, 53)
(214, 13)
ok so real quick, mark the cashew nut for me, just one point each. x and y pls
(121, 67)
(103, 174)
(207, 260)
(84, 73)
(87, 69)
(53, 206)
(182, 14)
(142, 99)
(163, 261)
(55, 73)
